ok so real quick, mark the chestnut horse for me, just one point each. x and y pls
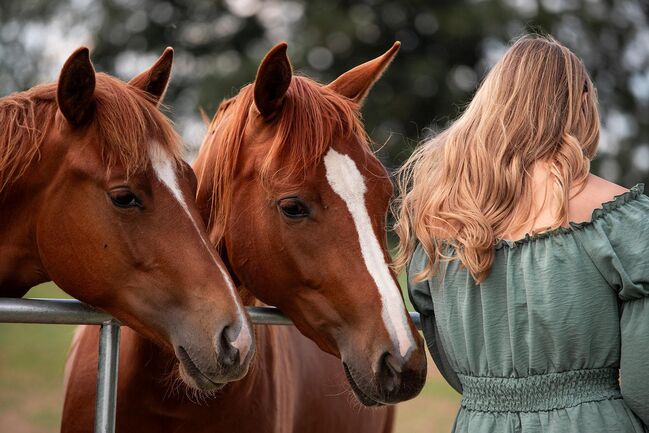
(297, 203)
(95, 197)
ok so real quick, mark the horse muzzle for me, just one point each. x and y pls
(393, 378)
(225, 360)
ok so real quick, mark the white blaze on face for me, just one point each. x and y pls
(163, 166)
(347, 181)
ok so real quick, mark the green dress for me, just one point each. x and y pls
(540, 344)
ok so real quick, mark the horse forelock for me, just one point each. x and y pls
(311, 120)
(129, 123)
(126, 120)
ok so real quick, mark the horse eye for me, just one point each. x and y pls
(293, 208)
(124, 198)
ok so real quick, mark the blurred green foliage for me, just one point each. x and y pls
(448, 45)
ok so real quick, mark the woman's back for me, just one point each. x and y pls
(536, 346)
(583, 200)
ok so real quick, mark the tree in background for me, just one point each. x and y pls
(447, 46)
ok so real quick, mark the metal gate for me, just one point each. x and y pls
(73, 312)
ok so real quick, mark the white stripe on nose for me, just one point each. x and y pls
(347, 181)
(164, 169)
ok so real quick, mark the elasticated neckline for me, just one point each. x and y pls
(607, 208)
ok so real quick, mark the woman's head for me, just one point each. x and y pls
(472, 183)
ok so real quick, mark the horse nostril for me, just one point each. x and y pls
(229, 333)
(228, 355)
(390, 373)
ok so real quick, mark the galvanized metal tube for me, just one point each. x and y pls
(107, 370)
(73, 312)
(272, 316)
(267, 316)
(55, 311)
(416, 319)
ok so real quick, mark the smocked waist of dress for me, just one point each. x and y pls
(542, 392)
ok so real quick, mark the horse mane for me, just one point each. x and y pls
(312, 118)
(126, 120)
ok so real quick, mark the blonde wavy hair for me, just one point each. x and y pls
(472, 183)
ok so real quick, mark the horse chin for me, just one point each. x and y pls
(192, 376)
(365, 399)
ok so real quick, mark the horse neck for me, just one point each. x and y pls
(20, 201)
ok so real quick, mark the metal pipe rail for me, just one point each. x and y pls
(73, 312)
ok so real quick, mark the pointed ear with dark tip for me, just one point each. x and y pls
(273, 79)
(75, 93)
(356, 83)
(155, 80)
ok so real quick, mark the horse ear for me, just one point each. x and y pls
(356, 83)
(76, 88)
(155, 80)
(273, 79)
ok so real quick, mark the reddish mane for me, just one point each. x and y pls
(313, 117)
(126, 120)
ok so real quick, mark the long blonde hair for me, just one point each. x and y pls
(471, 184)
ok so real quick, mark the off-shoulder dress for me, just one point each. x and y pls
(556, 338)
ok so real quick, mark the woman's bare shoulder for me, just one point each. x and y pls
(596, 192)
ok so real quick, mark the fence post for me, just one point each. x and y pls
(107, 366)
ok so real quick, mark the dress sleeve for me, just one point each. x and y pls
(422, 300)
(634, 367)
(621, 252)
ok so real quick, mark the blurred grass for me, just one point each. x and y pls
(31, 371)
(32, 359)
